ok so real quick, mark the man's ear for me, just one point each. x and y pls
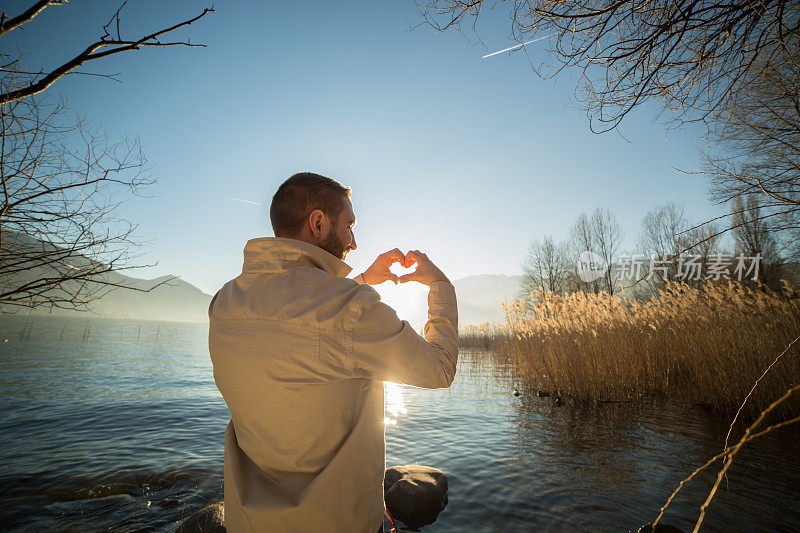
(317, 222)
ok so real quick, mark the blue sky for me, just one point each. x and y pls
(467, 159)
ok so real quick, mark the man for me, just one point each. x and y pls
(300, 353)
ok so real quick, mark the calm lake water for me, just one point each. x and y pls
(117, 426)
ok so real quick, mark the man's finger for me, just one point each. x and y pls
(411, 257)
(405, 278)
(394, 256)
(410, 263)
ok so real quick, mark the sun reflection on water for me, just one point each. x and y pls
(393, 403)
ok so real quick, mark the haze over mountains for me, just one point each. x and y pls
(27, 263)
(173, 299)
(480, 297)
(479, 300)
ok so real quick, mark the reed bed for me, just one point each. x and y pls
(705, 345)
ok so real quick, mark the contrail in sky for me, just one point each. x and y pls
(245, 201)
(520, 45)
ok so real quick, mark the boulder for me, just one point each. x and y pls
(415, 494)
(210, 519)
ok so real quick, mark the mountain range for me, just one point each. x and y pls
(171, 298)
(479, 300)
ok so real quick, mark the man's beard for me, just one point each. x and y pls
(334, 246)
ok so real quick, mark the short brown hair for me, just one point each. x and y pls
(301, 194)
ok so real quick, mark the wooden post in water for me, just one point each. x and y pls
(61, 338)
(139, 334)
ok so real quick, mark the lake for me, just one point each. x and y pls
(117, 425)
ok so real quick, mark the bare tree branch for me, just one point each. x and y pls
(61, 243)
(107, 45)
(8, 24)
(689, 55)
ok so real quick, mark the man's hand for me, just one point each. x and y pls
(379, 271)
(426, 272)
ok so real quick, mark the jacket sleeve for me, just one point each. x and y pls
(387, 348)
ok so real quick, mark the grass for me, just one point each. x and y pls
(703, 346)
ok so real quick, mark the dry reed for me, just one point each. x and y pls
(704, 345)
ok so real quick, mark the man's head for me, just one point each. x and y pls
(315, 209)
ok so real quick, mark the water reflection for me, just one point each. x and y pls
(394, 405)
(119, 426)
(523, 464)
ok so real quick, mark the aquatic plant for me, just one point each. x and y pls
(705, 345)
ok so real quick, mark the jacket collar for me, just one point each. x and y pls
(279, 254)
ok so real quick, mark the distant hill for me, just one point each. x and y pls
(174, 300)
(167, 299)
(479, 300)
(480, 297)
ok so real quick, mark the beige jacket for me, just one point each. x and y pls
(300, 353)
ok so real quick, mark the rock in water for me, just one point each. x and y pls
(209, 519)
(415, 494)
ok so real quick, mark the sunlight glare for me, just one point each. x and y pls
(409, 300)
(393, 403)
(398, 270)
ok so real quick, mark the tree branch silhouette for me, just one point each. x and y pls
(107, 45)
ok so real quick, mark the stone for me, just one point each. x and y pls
(415, 494)
(210, 519)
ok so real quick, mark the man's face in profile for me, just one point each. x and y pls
(341, 239)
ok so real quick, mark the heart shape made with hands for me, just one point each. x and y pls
(398, 269)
